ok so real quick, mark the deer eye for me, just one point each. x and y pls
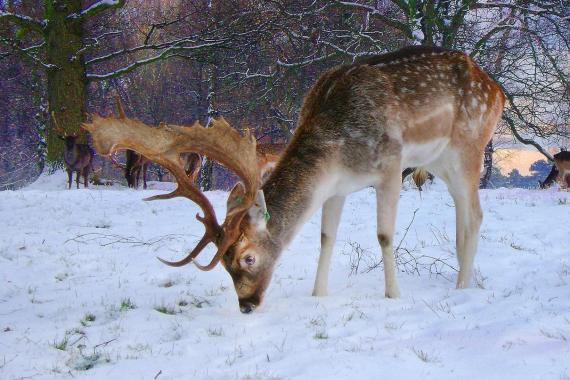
(250, 260)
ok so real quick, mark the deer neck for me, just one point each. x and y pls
(298, 187)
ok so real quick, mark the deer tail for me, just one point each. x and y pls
(420, 177)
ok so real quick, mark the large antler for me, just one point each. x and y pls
(165, 144)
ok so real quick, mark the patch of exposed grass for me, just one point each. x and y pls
(61, 344)
(321, 335)
(165, 309)
(127, 304)
(424, 356)
(88, 318)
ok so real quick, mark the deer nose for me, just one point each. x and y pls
(246, 307)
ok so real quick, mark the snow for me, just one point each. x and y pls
(74, 262)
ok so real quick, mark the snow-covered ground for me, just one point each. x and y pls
(82, 295)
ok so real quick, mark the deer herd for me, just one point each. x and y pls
(360, 126)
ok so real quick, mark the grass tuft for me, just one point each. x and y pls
(127, 304)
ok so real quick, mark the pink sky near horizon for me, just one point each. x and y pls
(509, 159)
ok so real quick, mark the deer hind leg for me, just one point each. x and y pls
(387, 196)
(86, 171)
(137, 177)
(332, 210)
(144, 169)
(463, 186)
(77, 177)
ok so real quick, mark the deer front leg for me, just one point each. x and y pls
(330, 219)
(387, 196)
(144, 169)
(69, 178)
(77, 177)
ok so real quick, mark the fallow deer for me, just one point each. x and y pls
(77, 158)
(560, 171)
(192, 165)
(359, 126)
(135, 164)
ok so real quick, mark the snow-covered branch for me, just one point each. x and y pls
(166, 53)
(98, 7)
(23, 21)
(542, 8)
(28, 53)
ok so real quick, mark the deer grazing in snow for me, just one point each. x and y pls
(77, 158)
(560, 171)
(359, 126)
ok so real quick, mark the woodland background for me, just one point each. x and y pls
(251, 61)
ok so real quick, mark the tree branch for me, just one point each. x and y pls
(98, 7)
(166, 53)
(511, 123)
(23, 21)
(396, 24)
(28, 53)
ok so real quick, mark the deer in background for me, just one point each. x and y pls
(192, 165)
(560, 171)
(359, 126)
(77, 158)
(137, 163)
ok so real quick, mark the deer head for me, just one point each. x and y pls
(68, 139)
(241, 240)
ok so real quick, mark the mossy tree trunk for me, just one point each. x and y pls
(66, 84)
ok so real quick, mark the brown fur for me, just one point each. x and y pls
(267, 157)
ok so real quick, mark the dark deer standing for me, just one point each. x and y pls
(192, 165)
(135, 164)
(560, 171)
(359, 126)
(77, 158)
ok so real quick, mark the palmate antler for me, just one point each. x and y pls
(165, 144)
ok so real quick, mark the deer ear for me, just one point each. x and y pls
(258, 211)
(236, 196)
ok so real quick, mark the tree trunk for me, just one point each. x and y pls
(487, 165)
(66, 85)
(207, 172)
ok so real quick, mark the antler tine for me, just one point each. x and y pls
(120, 108)
(57, 127)
(165, 144)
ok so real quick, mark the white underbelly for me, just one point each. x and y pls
(421, 154)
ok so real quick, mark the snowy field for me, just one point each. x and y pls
(82, 295)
